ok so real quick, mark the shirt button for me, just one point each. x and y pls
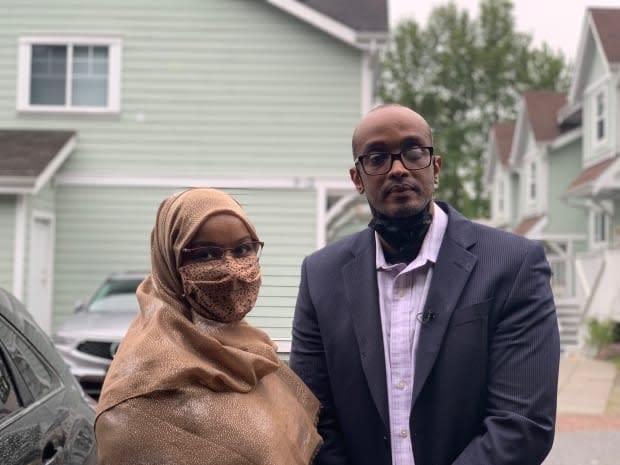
(401, 385)
(404, 433)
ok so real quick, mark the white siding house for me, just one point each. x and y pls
(257, 97)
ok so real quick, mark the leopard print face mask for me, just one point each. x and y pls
(222, 290)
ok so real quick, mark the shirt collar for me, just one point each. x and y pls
(430, 245)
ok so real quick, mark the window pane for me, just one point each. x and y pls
(48, 75)
(90, 91)
(90, 76)
(600, 129)
(39, 379)
(9, 402)
(100, 53)
(80, 52)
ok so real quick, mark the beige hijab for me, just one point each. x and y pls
(186, 390)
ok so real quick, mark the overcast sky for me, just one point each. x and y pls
(557, 22)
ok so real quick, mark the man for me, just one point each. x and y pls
(428, 339)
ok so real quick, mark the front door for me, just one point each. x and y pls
(40, 264)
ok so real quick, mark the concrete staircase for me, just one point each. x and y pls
(569, 318)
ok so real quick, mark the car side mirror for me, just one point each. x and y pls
(78, 306)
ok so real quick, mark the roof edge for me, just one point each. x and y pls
(55, 164)
(358, 39)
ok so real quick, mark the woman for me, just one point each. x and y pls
(192, 382)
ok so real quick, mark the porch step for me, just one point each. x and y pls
(569, 319)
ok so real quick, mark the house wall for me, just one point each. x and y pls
(209, 89)
(7, 240)
(564, 166)
(114, 235)
(597, 80)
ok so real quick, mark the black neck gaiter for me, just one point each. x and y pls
(404, 234)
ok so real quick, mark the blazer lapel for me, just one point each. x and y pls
(451, 273)
(360, 279)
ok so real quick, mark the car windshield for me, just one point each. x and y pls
(116, 296)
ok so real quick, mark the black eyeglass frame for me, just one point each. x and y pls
(394, 156)
(222, 250)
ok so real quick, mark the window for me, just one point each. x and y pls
(601, 227)
(35, 373)
(599, 117)
(69, 74)
(9, 403)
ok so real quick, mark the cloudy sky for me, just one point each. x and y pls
(557, 22)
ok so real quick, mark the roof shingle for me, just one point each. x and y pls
(363, 15)
(27, 153)
(542, 109)
(504, 133)
(591, 173)
(607, 22)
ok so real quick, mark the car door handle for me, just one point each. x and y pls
(51, 454)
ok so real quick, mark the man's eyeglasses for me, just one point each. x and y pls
(211, 252)
(413, 158)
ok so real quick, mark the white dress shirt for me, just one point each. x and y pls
(402, 293)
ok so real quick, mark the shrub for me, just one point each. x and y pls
(601, 333)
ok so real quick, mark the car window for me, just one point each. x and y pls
(37, 376)
(116, 295)
(9, 402)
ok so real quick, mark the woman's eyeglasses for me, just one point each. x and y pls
(211, 252)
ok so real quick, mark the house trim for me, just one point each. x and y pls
(46, 323)
(607, 179)
(284, 182)
(589, 36)
(19, 246)
(329, 25)
(321, 216)
(33, 184)
(367, 82)
(566, 138)
(522, 126)
(54, 165)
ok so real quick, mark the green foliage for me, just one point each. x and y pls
(463, 74)
(600, 333)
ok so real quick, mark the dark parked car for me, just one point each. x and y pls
(89, 339)
(45, 417)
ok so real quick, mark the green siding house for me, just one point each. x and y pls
(565, 160)
(107, 107)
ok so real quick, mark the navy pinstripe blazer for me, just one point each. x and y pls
(485, 382)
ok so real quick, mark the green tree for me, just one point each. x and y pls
(463, 74)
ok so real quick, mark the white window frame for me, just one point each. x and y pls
(599, 117)
(600, 228)
(25, 45)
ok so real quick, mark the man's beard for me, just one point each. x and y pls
(405, 233)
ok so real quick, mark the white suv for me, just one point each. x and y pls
(89, 339)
